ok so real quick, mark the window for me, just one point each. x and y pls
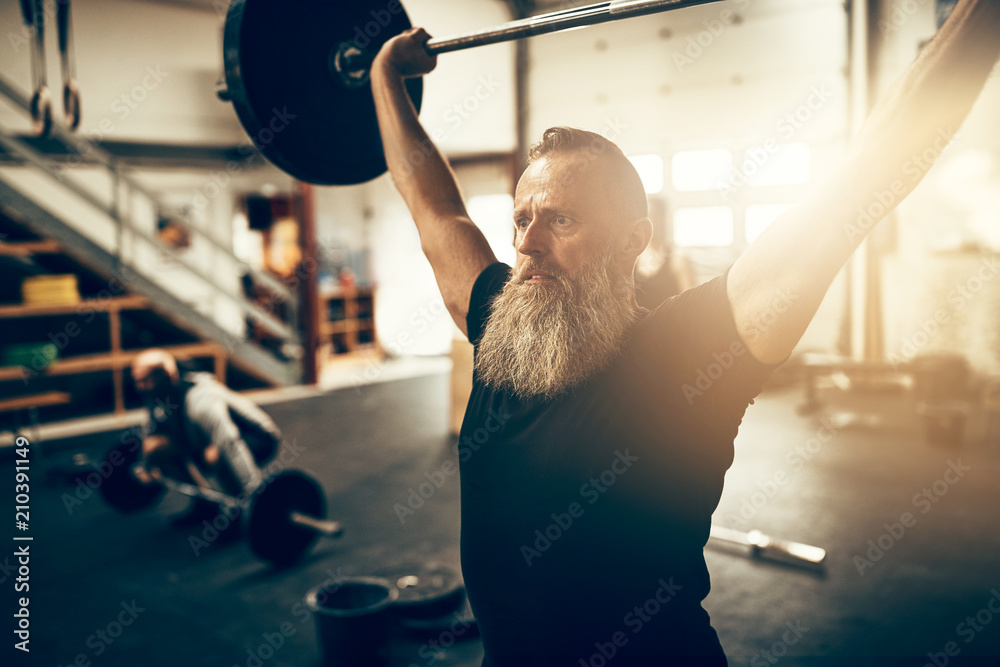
(707, 226)
(784, 164)
(493, 215)
(650, 168)
(695, 171)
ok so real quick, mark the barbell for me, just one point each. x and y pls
(297, 74)
(283, 518)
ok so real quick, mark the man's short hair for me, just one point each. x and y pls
(153, 360)
(624, 179)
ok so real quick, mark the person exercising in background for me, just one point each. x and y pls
(198, 428)
(662, 270)
(591, 456)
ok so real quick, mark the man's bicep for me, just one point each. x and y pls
(458, 253)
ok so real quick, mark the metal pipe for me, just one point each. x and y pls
(601, 12)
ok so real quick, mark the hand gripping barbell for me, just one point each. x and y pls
(297, 74)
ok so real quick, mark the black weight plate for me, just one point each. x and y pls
(461, 625)
(277, 57)
(425, 589)
(270, 532)
(119, 487)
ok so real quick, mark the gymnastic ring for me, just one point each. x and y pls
(71, 104)
(41, 112)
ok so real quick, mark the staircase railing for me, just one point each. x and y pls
(123, 188)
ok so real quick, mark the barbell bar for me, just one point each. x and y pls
(283, 517)
(542, 24)
(297, 74)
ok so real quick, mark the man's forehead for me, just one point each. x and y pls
(558, 180)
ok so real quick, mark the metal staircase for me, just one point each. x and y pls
(105, 220)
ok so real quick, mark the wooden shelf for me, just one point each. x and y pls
(112, 304)
(34, 401)
(109, 361)
(24, 248)
(353, 329)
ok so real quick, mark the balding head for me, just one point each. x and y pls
(591, 151)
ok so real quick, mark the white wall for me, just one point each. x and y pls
(146, 71)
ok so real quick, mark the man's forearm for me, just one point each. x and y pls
(421, 174)
(802, 251)
(927, 105)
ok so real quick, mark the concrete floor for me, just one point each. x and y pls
(368, 446)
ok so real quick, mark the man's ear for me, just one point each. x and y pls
(637, 236)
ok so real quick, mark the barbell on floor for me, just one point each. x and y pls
(297, 74)
(283, 518)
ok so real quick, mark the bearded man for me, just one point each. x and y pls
(598, 434)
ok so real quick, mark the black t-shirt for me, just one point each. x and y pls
(584, 517)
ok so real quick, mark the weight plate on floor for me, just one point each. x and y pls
(426, 590)
(118, 486)
(271, 533)
(461, 625)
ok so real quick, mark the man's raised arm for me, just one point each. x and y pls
(799, 254)
(456, 249)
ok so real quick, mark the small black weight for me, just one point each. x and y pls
(426, 590)
(460, 625)
(119, 487)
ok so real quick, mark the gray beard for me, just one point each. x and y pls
(542, 340)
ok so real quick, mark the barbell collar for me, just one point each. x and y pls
(322, 526)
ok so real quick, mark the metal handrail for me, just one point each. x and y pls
(111, 163)
(16, 146)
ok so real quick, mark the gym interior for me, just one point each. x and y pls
(858, 524)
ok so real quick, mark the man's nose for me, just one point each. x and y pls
(531, 239)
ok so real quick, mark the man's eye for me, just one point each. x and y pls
(521, 223)
(562, 220)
